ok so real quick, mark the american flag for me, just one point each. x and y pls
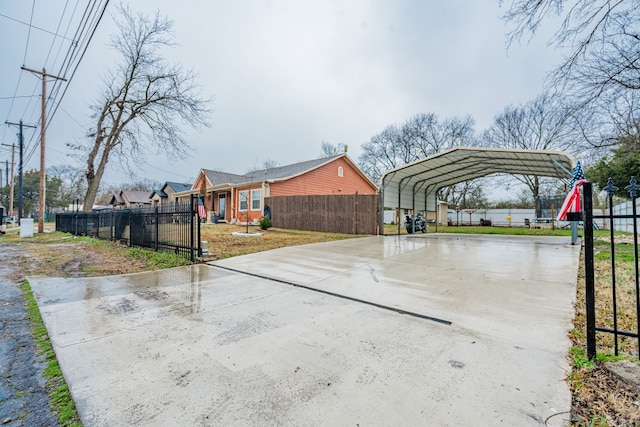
(572, 201)
(201, 212)
(578, 174)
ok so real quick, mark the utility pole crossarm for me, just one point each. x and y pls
(43, 73)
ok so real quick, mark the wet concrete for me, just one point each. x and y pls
(202, 345)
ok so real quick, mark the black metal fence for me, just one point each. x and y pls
(173, 228)
(610, 219)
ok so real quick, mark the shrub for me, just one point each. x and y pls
(265, 223)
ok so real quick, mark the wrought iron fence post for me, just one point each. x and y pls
(191, 229)
(589, 270)
(157, 228)
(199, 240)
(633, 188)
(611, 189)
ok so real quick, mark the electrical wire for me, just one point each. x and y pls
(26, 48)
(85, 32)
(29, 25)
(55, 38)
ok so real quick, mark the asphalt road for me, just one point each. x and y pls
(23, 398)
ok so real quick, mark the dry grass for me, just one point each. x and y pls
(222, 244)
(599, 398)
(59, 254)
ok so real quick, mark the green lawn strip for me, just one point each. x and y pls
(59, 394)
(160, 259)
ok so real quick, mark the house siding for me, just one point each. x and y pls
(324, 180)
(253, 214)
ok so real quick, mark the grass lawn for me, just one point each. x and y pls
(222, 244)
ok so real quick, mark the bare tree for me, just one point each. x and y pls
(267, 164)
(145, 184)
(541, 124)
(144, 100)
(72, 185)
(603, 36)
(383, 153)
(329, 150)
(420, 136)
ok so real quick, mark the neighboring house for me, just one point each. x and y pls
(241, 197)
(126, 199)
(165, 196)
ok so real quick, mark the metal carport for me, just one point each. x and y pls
(414, 185)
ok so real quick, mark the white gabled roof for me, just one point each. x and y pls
(413, 184)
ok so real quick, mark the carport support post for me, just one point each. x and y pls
(589, 271)
(435, 203)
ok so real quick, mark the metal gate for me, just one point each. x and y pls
(174, 228)
(610, 218)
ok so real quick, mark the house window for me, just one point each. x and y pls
(244, 197)
(255, 200)
(340, 171)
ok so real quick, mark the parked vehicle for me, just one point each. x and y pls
(415, 223)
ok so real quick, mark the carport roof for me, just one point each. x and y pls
(465, 163)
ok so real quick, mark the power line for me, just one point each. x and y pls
(26, 48)
(31, 25)
(16, 97)
(53, 42)
(90, 20)
(95, 27)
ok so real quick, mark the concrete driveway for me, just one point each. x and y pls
(226, 344)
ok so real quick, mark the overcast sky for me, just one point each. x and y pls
(286, 75)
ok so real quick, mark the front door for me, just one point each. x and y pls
(222, 206)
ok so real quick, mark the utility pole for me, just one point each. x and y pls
(21, 145)
(43, 123)
(13, 162)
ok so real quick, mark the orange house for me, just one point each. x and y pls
(240, 198)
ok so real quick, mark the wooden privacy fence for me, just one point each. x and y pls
(349, 214)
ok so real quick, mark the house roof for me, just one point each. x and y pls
(412, 184)
(288, 171)
(217, 178)
(159, 193)
(116, 199)
(136, 196)
(220, 178)
(278, 173)
(176, 186)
